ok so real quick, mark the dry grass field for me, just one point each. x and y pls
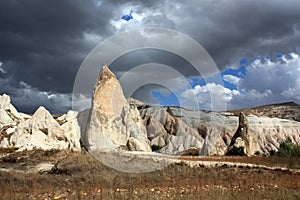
(80, 176)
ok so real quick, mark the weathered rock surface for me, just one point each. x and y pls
(112, 123)
(9, 118)
(158, 142)
(8, 113)
(40, 131)
(288, 110)
(9, 108)
(215, 131)
(5, 119)
(178, 130)
(243, 132)
(263, 134)
(214, 143)
(71, 130)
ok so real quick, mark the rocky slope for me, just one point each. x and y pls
(179, 131)
(288, 110)
(39, 131)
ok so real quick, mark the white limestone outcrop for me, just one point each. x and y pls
(39, 131)
(112, 123)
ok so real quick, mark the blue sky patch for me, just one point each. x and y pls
(169, 99)
(127, 17)
(240, 72)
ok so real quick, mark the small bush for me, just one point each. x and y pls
(257, 153)
(10, 159)
(236, 151)
(272, 152)
(155, 147)
(287, 148)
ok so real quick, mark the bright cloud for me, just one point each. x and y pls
(278, 76)
(264, 82)
(231, 79)
(210, 96)
(30, 98)
(2, 70)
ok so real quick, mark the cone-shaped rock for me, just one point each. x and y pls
(112, 123)
(43, 132)
(249, 139)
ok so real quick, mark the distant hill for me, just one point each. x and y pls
(287, 110)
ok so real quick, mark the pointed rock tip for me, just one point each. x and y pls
(106, 73)
(41, 109)
(4, 98)
(104, 67)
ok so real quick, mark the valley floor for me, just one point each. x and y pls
(80, 176)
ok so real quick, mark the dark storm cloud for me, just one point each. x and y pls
(42, 43)
(232, 29)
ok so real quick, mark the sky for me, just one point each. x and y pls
(255, 45)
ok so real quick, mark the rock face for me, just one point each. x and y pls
(250, 140)
(266, 133)
(40, 131)
(9, 119)
(9, 109)
(214, 143)
(176, 130)
(112, 123)
(263, 134)
(288, 110)
(179, 131)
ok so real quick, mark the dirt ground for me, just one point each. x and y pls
(80, 176)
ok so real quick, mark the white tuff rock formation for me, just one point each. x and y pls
(39, 131)
(112, 123)
(263, 134)
(178, 130)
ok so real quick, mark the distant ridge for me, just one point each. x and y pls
(286, 110)
(291, 103)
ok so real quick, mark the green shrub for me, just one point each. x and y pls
(257, 153)
(287, 148)
(296, 150)
(155, 147)
(272, 152)
(236, 151)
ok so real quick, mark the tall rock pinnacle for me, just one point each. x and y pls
(112, 124)
(108, 95)
(249, 137)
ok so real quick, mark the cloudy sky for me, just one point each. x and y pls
(255, 45)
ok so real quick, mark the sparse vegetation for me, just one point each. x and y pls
(272, 152)
(80, 176)
(287, 148)
(257, 153)
(155, 147)
(236, 151)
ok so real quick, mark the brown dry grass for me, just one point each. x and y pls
(80, 176)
